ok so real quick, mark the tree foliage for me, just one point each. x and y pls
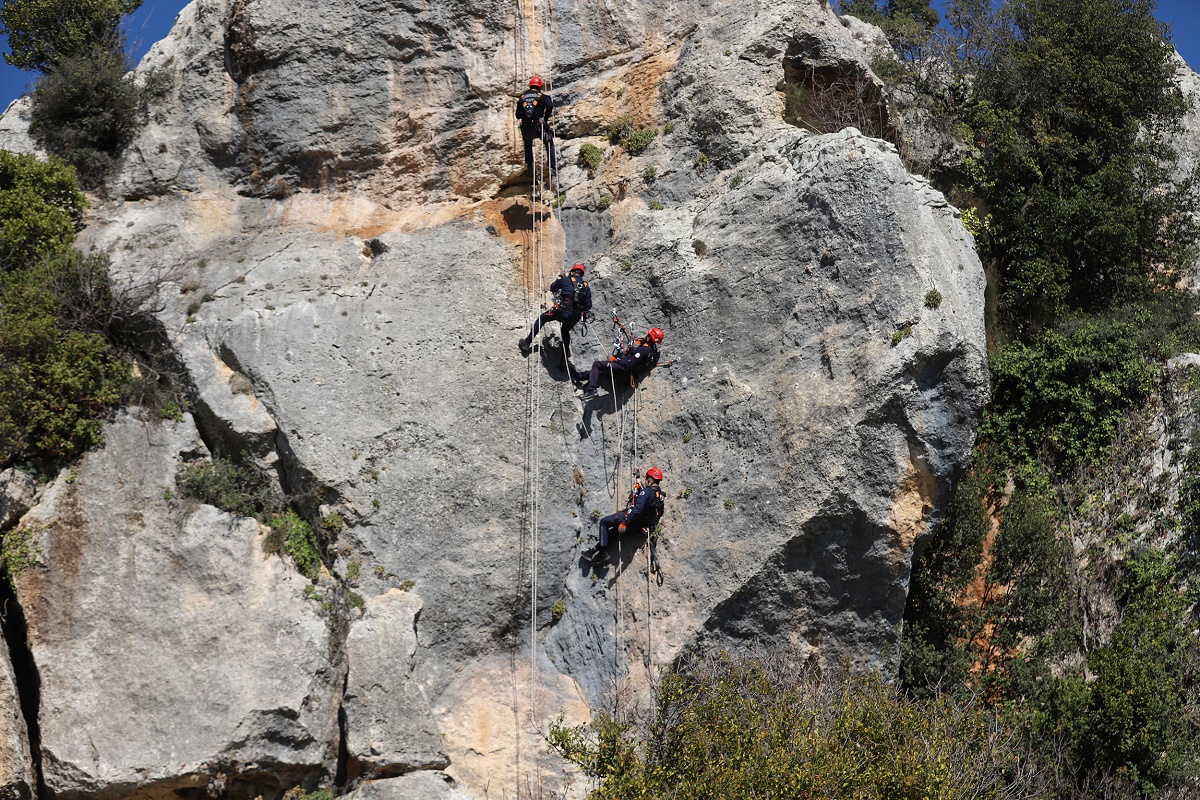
(1069, 104)
(752, 727)
(44, 33)
(87, 109)
(40, 204)
(56, 383)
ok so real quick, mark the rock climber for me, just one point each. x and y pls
(632, 365)
(573, 299)
(643, 512)
(534, 108)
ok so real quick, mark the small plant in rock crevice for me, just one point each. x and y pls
(19, 551)
(590, 157)
(290, 534)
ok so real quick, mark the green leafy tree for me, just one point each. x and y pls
(40, 204)
(43, 33)
(1069, 108)
(739, 728)
(56, 383)
(87, 109)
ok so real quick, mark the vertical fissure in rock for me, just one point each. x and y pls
(25, 673)
(343, 753)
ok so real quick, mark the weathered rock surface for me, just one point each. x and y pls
(18, 491)
(390, 729)
(17, 781)
(172, 651)
(418, 786)
(14, 128)
(364, 287)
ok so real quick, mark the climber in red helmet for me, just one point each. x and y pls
(628, 367)
(572, 300)
(534, 108)
(641, 514)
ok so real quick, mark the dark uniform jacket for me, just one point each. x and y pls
(633, 359)
(544, 107)
(573, 294)
(644, 508)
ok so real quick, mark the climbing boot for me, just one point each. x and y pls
(526, 346)
(594, 555)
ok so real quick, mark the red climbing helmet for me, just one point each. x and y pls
(654, 472)
(536, 82)
(579, 267)
(656, 335)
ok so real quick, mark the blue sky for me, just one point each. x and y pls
(152, 21)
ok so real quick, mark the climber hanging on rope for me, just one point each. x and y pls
(534, 108)
(641, 515)
(573, 299)
(625, 365)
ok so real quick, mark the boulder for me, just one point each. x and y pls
(18, 491)
(389, 726)
(17, 779)
(329, 180)
(418, 786)
(173, 653)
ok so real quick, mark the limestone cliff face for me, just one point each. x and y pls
(329, 178)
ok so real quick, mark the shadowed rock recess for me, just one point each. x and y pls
(330, 184)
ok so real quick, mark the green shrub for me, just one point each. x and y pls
(353, 569)
(650, 173)
(19, 551)
(1065, 394)
(743, 728)
(55, 383)
(87, 110)
(933, 298)
(700, 162)
(699, 247)
(590, 157)
(40, 204)
(293, 536)
(620, 128)
(558, 609)
(654, 205)
(237, 488)
(333, 524)
(604, 202)
(735, 181)
(636, 143)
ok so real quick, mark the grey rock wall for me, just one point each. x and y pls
(172, 651)
(346, 283)
(17, 780)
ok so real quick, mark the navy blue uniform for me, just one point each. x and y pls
(641, 513)
(573, 299)
(538, 127)
(623, 365)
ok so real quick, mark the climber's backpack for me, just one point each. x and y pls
(655, 512)
(643, 365)
(530, 106)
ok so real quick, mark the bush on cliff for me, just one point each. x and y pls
(40, 205)
(751, 727)
(87, 109)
